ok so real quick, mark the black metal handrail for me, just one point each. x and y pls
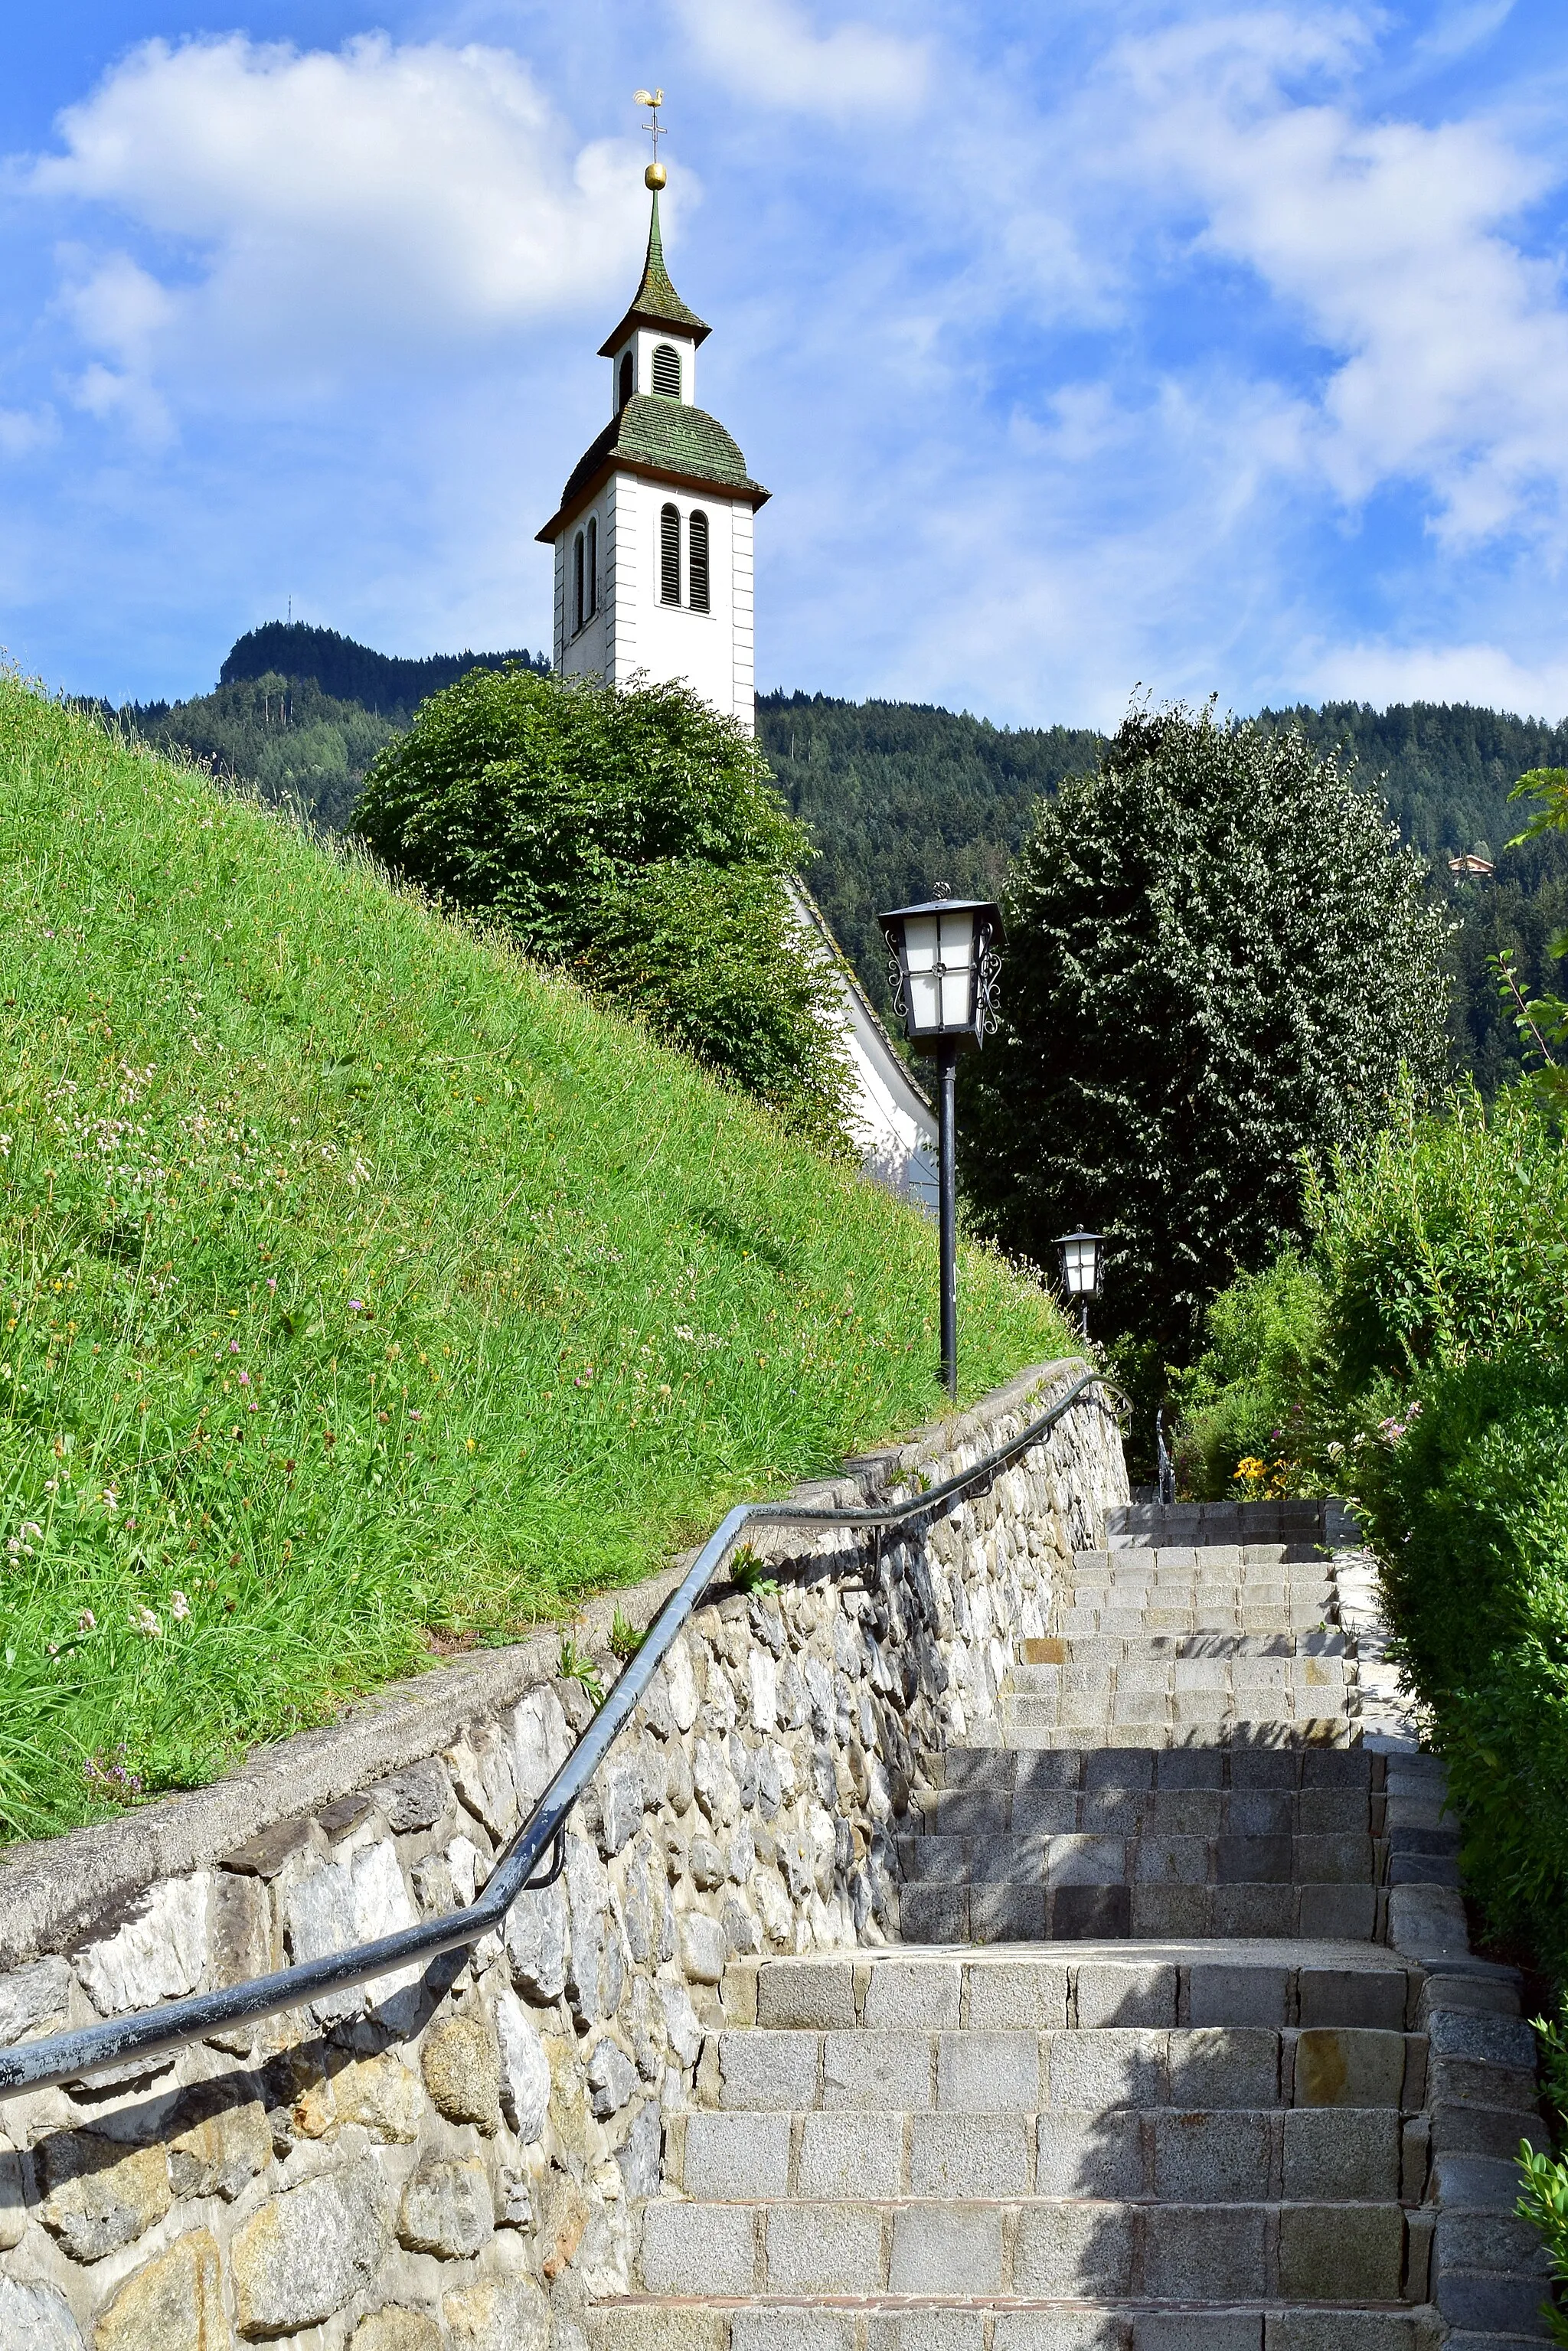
(63, 2056)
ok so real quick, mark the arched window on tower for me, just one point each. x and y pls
(666, 371)
(591, 582)
(628, 377)
(697, 560)
(577, 583)
(669, 555)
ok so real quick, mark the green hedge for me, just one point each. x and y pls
(1466, 1501)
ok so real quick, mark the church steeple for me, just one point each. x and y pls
(656, 302)
(652, 536)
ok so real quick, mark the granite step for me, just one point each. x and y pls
(883, 2072)
(1274, 1983)
(768, 2322)
(1051, 2247)
(1256, 1848)
(1277, 1768)
(1189, 2155)
(988, 1911)
(1145, 1525)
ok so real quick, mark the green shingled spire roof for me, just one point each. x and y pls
(656, 302)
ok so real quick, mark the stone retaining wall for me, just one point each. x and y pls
(441, 2161)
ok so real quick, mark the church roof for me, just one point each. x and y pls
(656, 302)
(666, 440)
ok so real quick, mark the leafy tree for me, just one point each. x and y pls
(1219, 959)
(632, 835)
(1517, 914)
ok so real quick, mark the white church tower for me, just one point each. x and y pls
(653, 573)
(652, 536)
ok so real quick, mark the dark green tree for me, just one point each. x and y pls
(1218, 960)
(634, 836)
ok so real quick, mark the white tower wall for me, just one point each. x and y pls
(633, 629)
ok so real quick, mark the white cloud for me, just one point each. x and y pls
(1465, 24)
(1477, 672)
(769, 50)
(120, 307)
(1149, 360)
(23, 429)
(378, 203)
(1448, 341)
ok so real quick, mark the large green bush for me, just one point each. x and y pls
(632, 835)
(1442, 1238)
(1218, 957)
(1465, 1494)
(1439, 1241)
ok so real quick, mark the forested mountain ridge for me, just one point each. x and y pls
(384, 682)
(1446, 768)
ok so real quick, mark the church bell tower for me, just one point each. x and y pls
(652, 536)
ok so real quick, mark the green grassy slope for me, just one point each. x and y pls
(363, 1286)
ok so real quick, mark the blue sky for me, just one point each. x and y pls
(1085, 345)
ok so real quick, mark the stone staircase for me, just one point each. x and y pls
(1182, 2048)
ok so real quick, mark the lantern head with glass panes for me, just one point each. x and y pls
(1080, 1254)
(944, 960)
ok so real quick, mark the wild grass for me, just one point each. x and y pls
(366, 1291)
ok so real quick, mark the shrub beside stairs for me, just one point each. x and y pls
(1182, 2049)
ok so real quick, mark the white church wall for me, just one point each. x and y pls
(559, 605)
(587, 652)
(634, 633)
(621, 545)
(743, 606)
(672, 640)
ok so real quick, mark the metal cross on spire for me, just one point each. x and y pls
(652, 100)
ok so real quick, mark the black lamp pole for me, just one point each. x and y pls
(943, 958)
(947, 1207)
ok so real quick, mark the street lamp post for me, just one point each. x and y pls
(944, 962)
(1081, 1255)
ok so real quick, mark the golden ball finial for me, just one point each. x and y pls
(655, 177)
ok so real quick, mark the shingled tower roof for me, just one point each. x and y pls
(656, 302)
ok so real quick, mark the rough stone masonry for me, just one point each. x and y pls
(444, 2161)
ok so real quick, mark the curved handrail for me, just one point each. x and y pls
(63, 2056)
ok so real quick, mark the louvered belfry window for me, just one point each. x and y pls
(577, 583)
(591, 582)
(697, 560)
(667, 370)
(669, 555)
(628, 378)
